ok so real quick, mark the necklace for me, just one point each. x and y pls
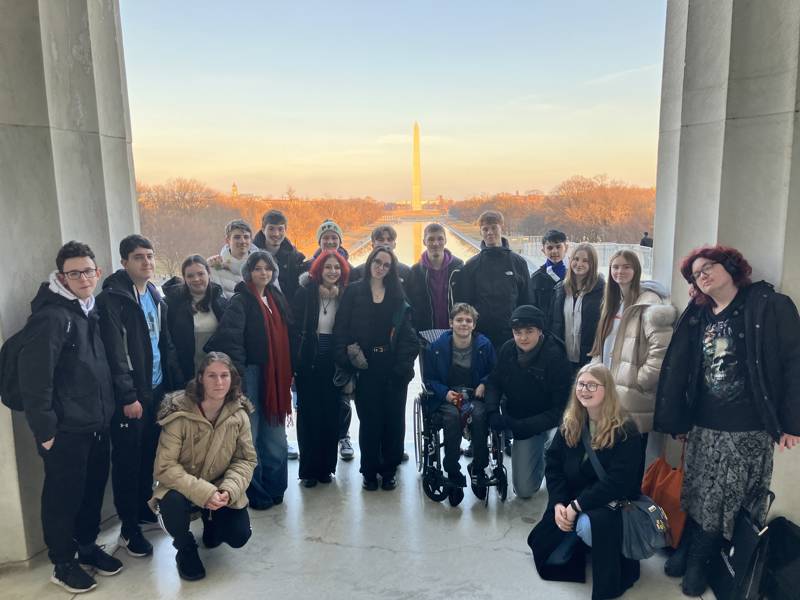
(325, 305)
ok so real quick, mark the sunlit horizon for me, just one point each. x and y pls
(323, 98)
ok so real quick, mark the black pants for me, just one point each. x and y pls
(228, 525)
(345, 416)
(479, 428)
(75, 476)
(133, 453)
(317, 421)
(381, 406)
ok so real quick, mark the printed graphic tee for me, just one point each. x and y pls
(150, 310)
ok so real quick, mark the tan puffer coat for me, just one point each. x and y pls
(642, 339)
(196, 459)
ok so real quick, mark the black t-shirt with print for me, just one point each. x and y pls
(725, 401)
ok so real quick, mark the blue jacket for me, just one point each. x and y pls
(439, 357)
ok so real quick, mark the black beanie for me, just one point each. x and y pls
(527, 315)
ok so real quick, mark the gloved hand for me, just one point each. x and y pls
(356, 356)
(498, 422)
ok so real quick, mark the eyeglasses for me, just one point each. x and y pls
(704, 270)
(589, 387)
(75, 275)
(381, 265)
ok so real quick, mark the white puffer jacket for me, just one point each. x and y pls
(230, 273)
(644, 333)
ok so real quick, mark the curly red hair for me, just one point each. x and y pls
(730, 259)
(315, 272)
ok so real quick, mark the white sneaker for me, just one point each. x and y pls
(292, 453)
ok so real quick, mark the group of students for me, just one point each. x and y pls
(191, 387)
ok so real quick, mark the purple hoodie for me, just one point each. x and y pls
(437, 284)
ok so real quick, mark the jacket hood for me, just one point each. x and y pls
(60, 289)
(172, 284)
(121, 283)
(655, 287)
(305, 279)
(46, 296)
(179, 405)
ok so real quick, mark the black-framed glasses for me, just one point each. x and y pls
(589, 386)
(75, 275)
(704, 270)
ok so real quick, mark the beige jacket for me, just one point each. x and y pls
(196, 459)
(642, 339)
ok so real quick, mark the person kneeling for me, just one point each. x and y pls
(460, 360)
(580, 509)
(205, 462)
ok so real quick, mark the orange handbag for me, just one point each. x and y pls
(663, 482)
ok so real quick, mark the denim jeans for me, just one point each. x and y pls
(583, 527)
(527, 464)
(270, 478)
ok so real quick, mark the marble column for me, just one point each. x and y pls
(727, 168)
(66, 172)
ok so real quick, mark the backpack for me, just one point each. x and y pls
(10, 393)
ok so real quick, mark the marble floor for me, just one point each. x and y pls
(338, 541)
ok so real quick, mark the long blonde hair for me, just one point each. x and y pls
(571, 280)
(612, 298)
(612, 415)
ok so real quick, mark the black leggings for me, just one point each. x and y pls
(229, 525)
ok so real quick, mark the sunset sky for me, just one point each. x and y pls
(322, 96)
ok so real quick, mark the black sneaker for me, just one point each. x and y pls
(136, 544)
(72, 578)
(309, 482)
(389, 483)
(478, 482)
(190, 567)
(455, 496)
(370, 483)
(98, 559)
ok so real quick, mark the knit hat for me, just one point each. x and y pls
(527, 316)
(329, 225)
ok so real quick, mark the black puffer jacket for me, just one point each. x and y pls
(290, 263)
(352, 327)
(127, 341)
(590, 316)
(495, 282)
(180, 320)
(535, 395)
(303, 335)
(542, 291)
(63, 370)
(242, 334)
(419, 292)
(772, 337)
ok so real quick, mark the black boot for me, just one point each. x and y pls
(190, 567)
(676, 564)
(702, 549)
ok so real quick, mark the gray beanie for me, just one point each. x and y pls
(327, 226)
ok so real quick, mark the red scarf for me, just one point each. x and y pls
(277, 374)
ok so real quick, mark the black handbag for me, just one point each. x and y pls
(645, 527)
(735, 573)
(782, 572)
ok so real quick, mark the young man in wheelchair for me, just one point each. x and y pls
(455, 369)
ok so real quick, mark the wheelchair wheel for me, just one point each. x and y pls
(502, 484)
(435, 490)
(419, 441)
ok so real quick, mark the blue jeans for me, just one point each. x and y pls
(527, 464)
(583, 527)
(271, 476)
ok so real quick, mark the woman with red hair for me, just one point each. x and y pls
(314, 306)
(730, 384)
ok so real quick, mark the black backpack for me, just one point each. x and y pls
(10, 393)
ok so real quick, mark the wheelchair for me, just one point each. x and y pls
(429, 444)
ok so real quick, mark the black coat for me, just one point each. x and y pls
(242, 334)
(772, 337)
(180, 320)
(64, 376)
(495, 282)
(121, 321)
(303, 335)
(590, 316)
(542, 291)
(351, 327)
(569, 476)
(536, 394)
(419, 292)
(290, 263)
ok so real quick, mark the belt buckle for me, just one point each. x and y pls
(378, 349)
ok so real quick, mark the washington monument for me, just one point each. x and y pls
(416, 183)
